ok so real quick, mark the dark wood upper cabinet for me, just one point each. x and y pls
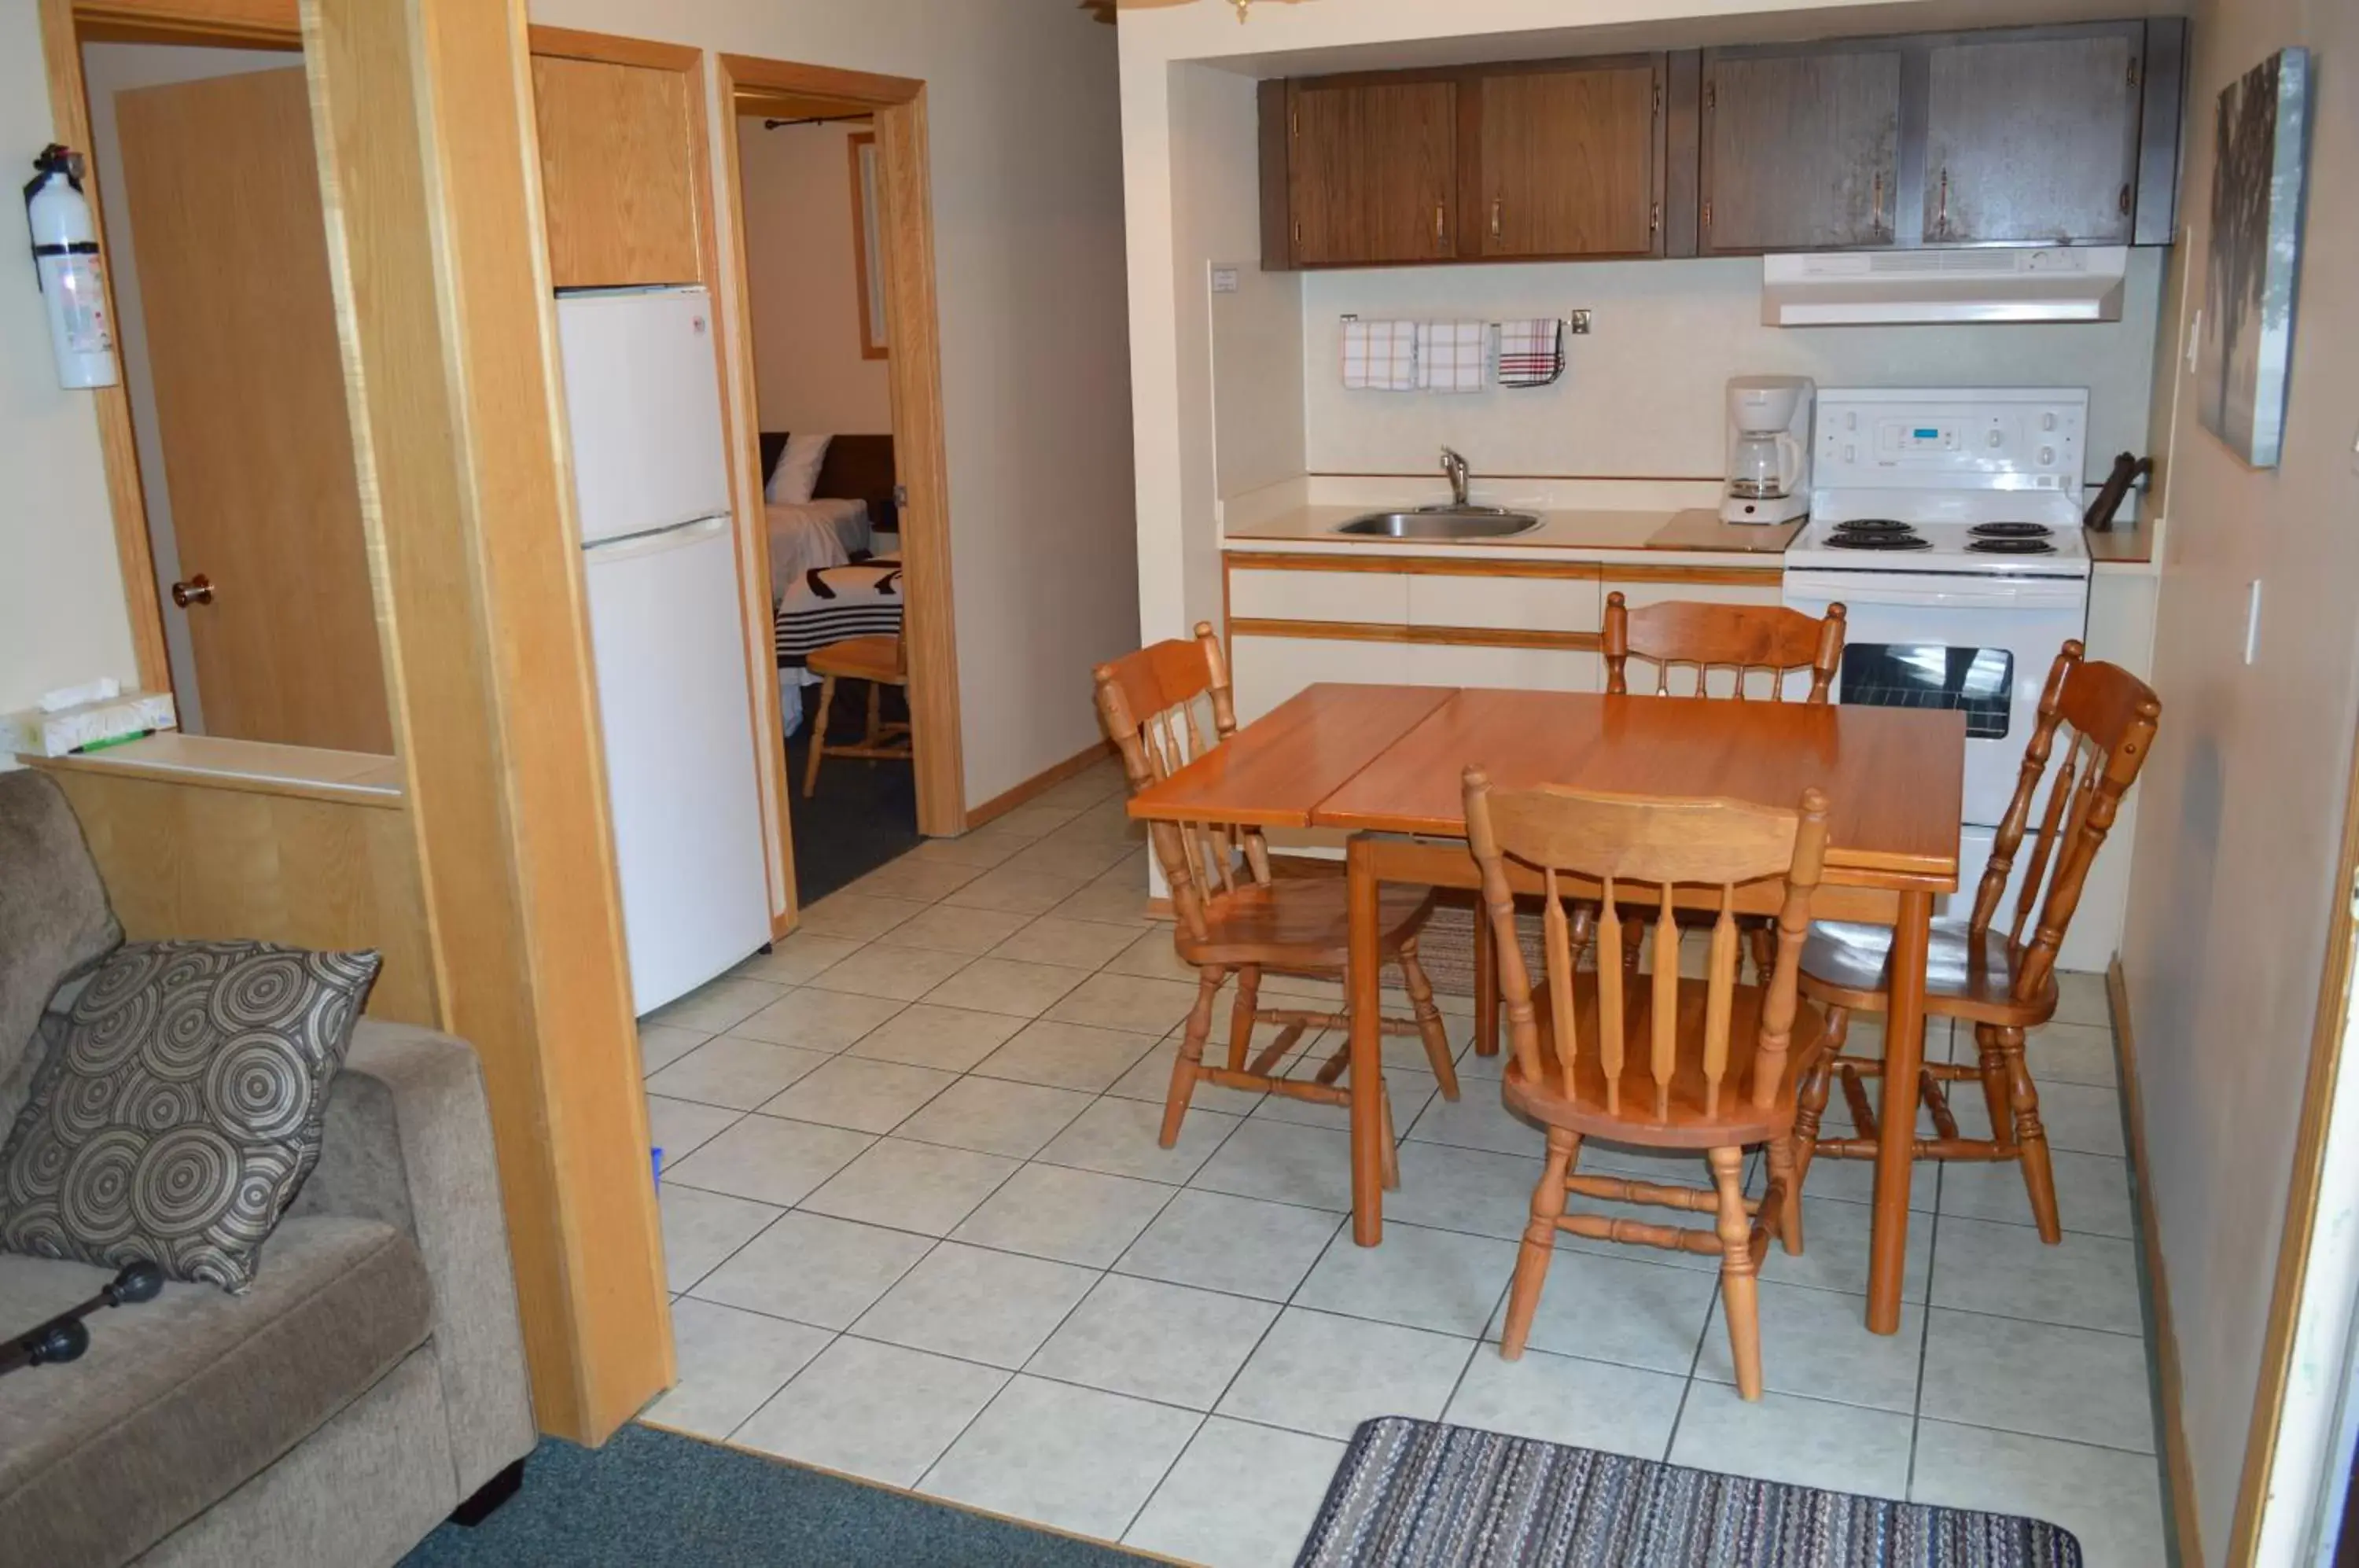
(2064, 134)
(1373, 170)
(1569, 161)
(2034, 137)
(1801, 149)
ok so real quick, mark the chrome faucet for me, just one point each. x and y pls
(1456, 466)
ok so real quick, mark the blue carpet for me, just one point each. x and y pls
(650, 1498)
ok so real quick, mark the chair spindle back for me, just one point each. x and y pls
(1150, 705)
(1613, 849)
(1740, 638)
(2107, 718)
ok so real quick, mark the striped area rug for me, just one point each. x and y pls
(1414, 1494)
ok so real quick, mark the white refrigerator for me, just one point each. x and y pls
(659, 558)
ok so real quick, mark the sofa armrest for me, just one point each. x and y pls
(409, 1140)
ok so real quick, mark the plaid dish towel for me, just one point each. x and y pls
(1531, 353)
(1380, 356)
(1451, 356)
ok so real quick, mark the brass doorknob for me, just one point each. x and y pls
(197, 590)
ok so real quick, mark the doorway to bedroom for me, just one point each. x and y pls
(807, 177)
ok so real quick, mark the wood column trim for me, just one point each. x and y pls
(423, 113)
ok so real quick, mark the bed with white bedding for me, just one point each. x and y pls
(808, 535)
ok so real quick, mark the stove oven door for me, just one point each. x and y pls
(1982, 645)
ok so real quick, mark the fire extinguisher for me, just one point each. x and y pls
(73, 281)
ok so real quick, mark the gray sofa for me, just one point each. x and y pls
(369, 1383)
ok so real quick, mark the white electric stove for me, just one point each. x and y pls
(1947, 522)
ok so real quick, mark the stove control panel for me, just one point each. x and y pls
(1991, 439)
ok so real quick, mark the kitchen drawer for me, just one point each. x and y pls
(1507, 603)
(1266, 670)
(1529, 669)
(1379, 598)
(1640, 591)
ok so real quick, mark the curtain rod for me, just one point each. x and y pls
(813, 120)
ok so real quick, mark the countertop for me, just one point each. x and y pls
(362, 777)
(2125, 544)
(1582, 533)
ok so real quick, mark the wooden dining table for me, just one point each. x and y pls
(1384, 763)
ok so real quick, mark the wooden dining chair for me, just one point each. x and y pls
(1233, 915)
(1705, 1064)
(1684, 636)
(2001, 981)
(881, 662)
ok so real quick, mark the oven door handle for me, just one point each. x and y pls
(1961, 593)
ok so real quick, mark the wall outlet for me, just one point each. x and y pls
(1224, 280)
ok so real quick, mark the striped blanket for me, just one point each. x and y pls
(832, 603)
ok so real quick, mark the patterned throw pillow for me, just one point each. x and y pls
(183, 1108)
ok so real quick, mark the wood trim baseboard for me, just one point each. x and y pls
(2178, 1467)
(1040, 784)
(1450, 636)
(1411, 565)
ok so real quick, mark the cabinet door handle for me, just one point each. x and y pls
(1942, 215)
(2126, 198)
(197, 590)
(1495, 217)
(1437, 240)
(1875, 205)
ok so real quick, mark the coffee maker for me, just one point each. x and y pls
(1768, 448)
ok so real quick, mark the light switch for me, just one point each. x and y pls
(1224, 280)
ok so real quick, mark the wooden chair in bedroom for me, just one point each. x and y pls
(1236, 916)
(1708, 1066)
(881, 662)
(2000, 980)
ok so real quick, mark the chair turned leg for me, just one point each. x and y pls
(819, 735)
(1392, 1139)
(1810, 1097)
(1739, 1291)
(1538, 1244)
(2039, 1174)
(1185, 1065)
(1429, 1025)
(1993, 1061)
(1784, 1179)
(875, 714)
(1486, 986)
(1241, 1017)
(1763, 940)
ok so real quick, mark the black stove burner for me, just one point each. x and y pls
(1901, 541)
(2010, 544)
(1873, 526)
(2012, 531)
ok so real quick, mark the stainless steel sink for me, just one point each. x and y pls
(1440, 523)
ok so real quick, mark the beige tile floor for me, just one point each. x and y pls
(921, 1232)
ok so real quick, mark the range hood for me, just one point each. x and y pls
(1863, 288)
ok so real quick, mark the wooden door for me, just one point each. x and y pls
(2033, 137)
(615, 172)
(1372, 169)
(223, 194)
(1568, 161)
(1800, 149)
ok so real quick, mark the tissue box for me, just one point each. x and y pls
(34, 733)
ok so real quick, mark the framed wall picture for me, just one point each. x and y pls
(2245, 344)
(867, 224)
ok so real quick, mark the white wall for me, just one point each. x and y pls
(109, 69)
(61, 609)
(2232, 894)
(802, 272)
(1643, 394)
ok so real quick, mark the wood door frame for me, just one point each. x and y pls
(739, 439)
(915, 375)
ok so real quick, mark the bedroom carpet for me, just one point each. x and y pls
(865, 812)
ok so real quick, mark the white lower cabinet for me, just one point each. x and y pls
(1266, 670)
(1530, 669)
